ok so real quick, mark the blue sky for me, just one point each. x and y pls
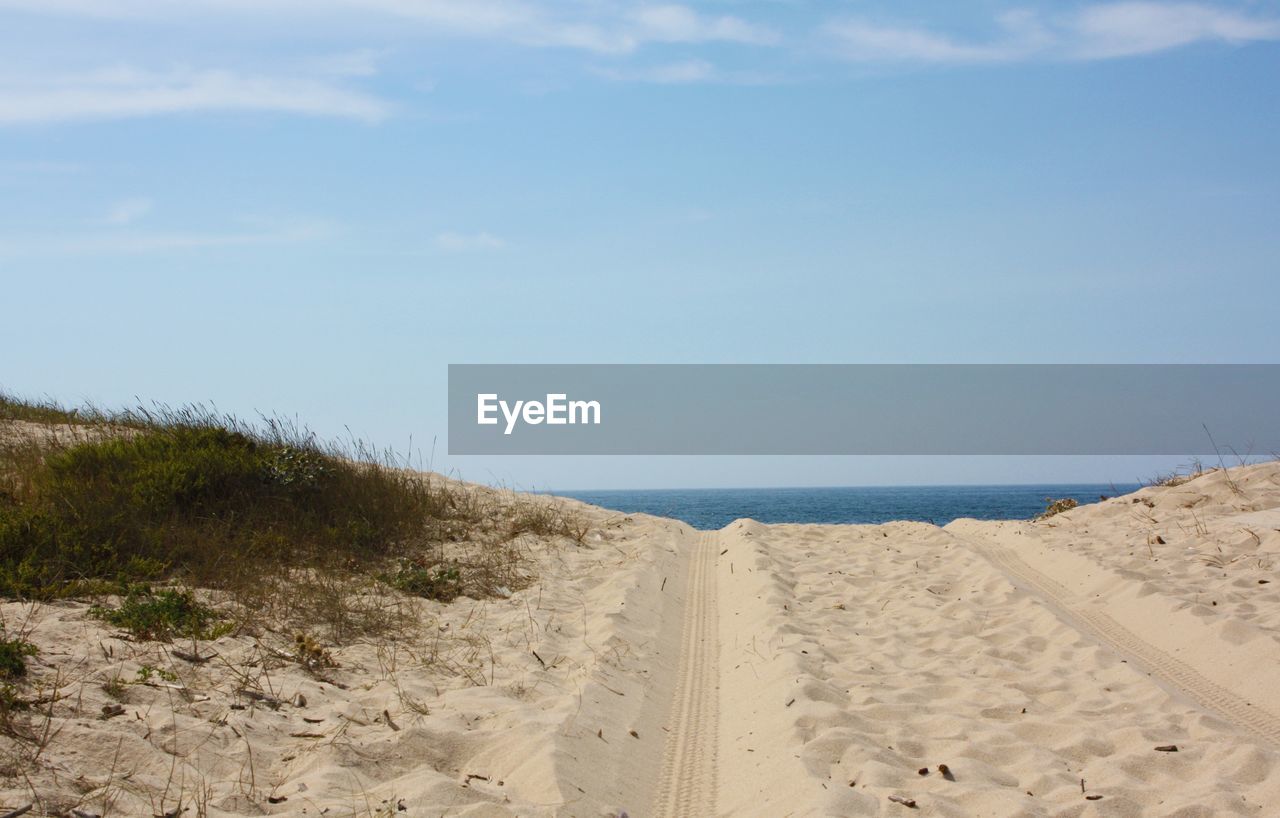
(314, 207)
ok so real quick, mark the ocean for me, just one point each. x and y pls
(711, 509)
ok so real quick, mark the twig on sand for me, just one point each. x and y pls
(909, 803)
(386, 718)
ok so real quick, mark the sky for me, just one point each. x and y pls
(312, 208)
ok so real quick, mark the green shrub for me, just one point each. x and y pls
(95, 503)
(441, 581)
(202, 497)
(163, 616)
(13, 657)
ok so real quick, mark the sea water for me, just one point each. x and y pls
(716, 508)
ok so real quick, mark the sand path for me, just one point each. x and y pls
(687, 783)
(759, 670)
(1229, 699)
(820, 669)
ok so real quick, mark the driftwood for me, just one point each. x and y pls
(909, 803)
(19, 811)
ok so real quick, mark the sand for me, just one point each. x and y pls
(755, 671)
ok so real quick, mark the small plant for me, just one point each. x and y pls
(543, 519)
(13, 666)
(163, 616)
(1053, 507)
(13, 658)
(310, 653)
(297, 468)
(147, 671)
(116, 688)
(10, 701)
(439, 581)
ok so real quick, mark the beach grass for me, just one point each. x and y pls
(96, 502)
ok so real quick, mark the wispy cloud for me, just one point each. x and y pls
(462, 242)
(599, 27)
(121, 92)
(1095, 32)
(1124, 29)
(674, 73)
(1021, 36)
(686, 72)
(135, 242)
(359, 63)
(127, 211)
(681, 24)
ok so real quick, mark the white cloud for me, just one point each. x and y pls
(361, 63)
(676, 73)
(681, 24)
(127, 211)
(1100, 31)
(462, 242)
(1124, 29)
(598, 27)
(868, 42)
(126, 92)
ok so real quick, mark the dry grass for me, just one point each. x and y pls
(181, 525)
(276, 524)
(1180, 475)
(1054, 507)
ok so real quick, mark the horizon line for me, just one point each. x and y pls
(1110, 483)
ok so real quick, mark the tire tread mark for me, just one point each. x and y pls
(687, 778)
(1208, 694)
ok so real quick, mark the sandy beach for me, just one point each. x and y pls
(639, 409)
(982, 668)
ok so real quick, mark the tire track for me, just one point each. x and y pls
(687, 780)
(1176, 673)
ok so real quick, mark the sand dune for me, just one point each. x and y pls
(756, 671)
